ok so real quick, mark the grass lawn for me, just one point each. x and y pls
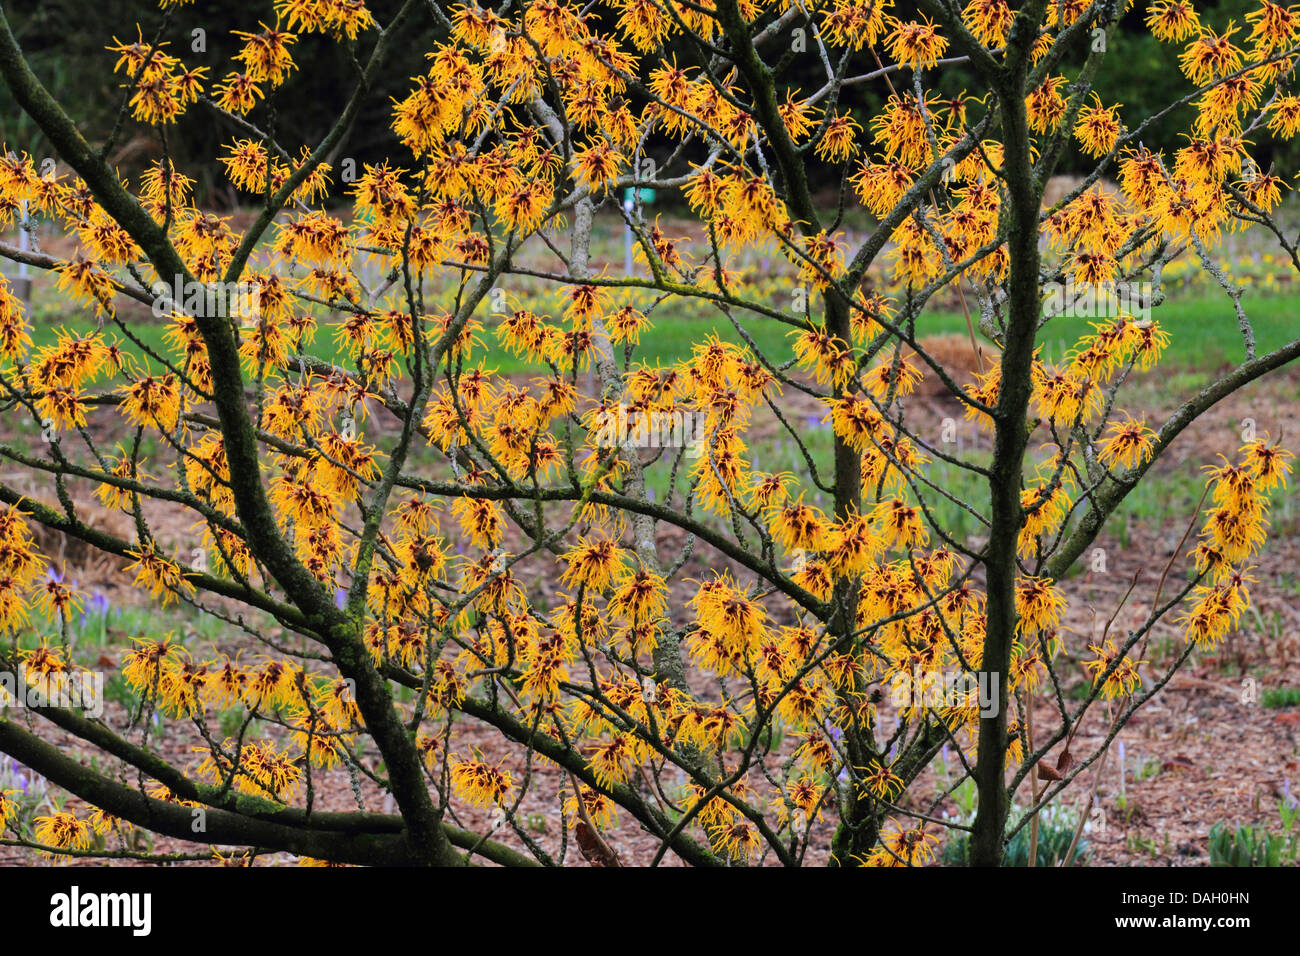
(1197, 314)
(1201, 324)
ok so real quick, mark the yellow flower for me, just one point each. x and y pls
(8, 807)
(601, 810)
(1123, 680)
(238, 93)
(738, 839)
(153, 401)
(91, 285)
(1270, 464)
(900, 525)
(880, 781)
(722, 610)
(919, 45)
(480, 783)
(989, 20)
(903, 846)
(1216, 609)
(1172, 20)
(162, 576)
(839, 140)
(266, 55)
(639, 596)
(63, 831)
(1098, 128)
(1128, 442)
(1039, 603)
(798, 526)
(1210, 55)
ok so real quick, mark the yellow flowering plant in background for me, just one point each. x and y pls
(375, 506)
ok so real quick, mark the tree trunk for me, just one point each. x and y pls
(1010, 437)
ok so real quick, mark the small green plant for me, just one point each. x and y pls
(1254, 845)
(1148, 768)
(1246, 846)
(1143, 845)
(1280, 697)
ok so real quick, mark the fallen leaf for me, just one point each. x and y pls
(1065, 762)
(596, 851)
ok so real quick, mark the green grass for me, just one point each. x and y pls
(1199, 319)
(1280, 697)
(1202, 327)
(1201, 324)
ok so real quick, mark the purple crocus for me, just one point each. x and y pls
(97, 606)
